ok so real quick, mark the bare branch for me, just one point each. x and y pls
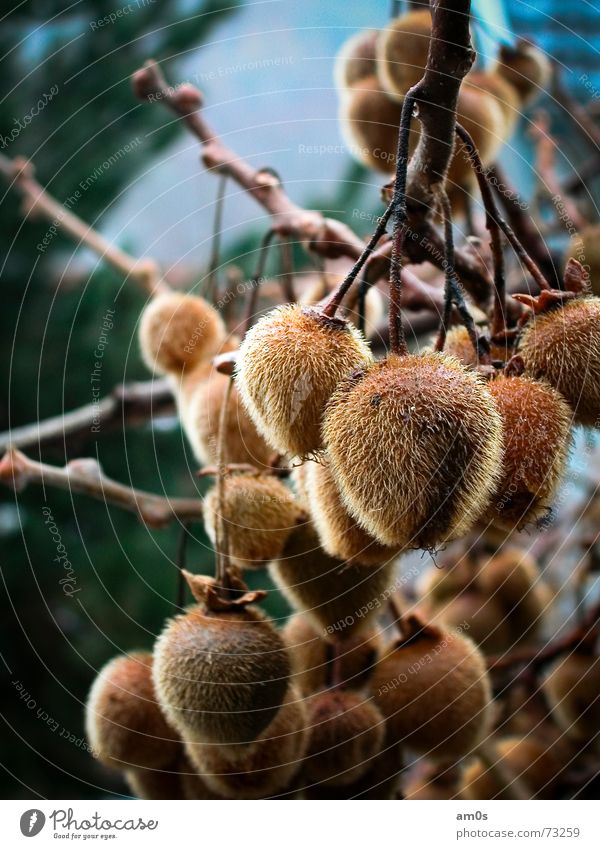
(436, 94)
(85, 476)
(325, 235)
(535, 657)
(130, 403)
(38, 202)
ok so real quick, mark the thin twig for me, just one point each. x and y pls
(221, 528)
(215, 252)
(492, 217)
(287, 270)
(127, 404)
(39, 202)
(397, 338)
(536, 658)
(86, 477)
(326, 236)
(454, 294)
(257, 278)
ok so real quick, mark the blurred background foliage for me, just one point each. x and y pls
(51, 321)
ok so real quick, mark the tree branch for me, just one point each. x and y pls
(535, 657)
(325, 236)
(85, 476)
(436, 95)
(39, 202)
(129, 403)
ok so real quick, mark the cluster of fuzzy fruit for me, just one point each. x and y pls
(375, 70)
(228, 707)
(407, 452)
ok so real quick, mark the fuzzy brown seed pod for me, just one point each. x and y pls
(179, 331)
(220, 676)
(288, 365)
(200, 403)
(584, 246)
(346, 734)
(505, 95)
(369, 121)
(459, 345)
(562, 346)
(402, 49)
(537, 432)
(526, 68)
(339, 599)
(483, 618)
(381, 781)
(572, 689)
(259, 514)
(415, 445)
(356, 60)
(312, 657)
(512, 576)
(124, 724)
(265, 767)
(155, 784)
(340, 535)
(525, 759)
(434, 691)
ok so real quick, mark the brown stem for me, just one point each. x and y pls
(492, 217)
(257, 279)
(127, 404)
(483, 176)
(397, 338)
(324, 236)
(86, 477)
(331, 306)
(520, 221)
(221, 529)
(449, 59)
(395, 605)
(39, 202)
(535, 658)
(215, 252)
(454, 294)
(287, 270)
